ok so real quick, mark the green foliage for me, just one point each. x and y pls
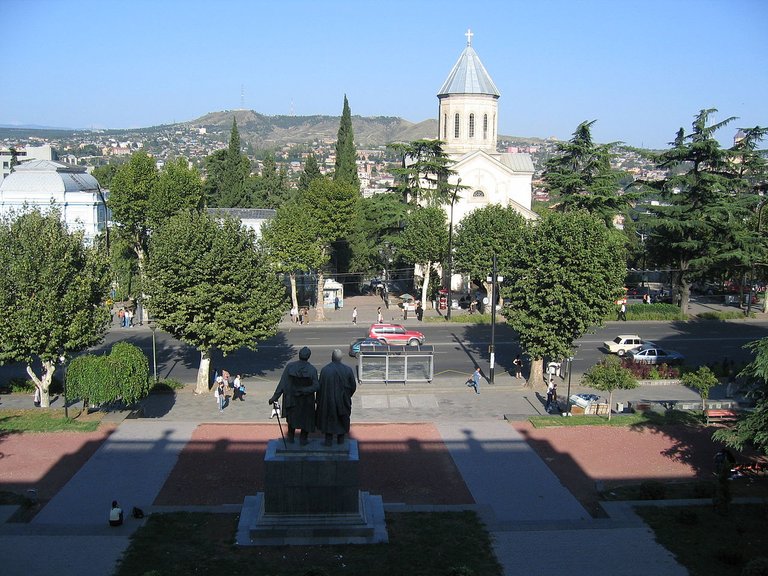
(208, 286)
(227, 172)
(51, 290)
(121, 375)
(311, 172)
(581, 177)
(377, 226)
(270, 189)
(42, 421)
(422, 177)
(565, 282)
(179, 187)
(702, 381)
(609, 375)
(663, 312)
(345, 170)
(424, 239)
(333, 205)
(105, 173)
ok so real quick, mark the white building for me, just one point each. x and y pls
(252, 218)
(23, 154)
(468, 125)
(43, 184)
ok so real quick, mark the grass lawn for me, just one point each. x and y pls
(427, 544)
(46, 420)
(708, 543)
(649, 417)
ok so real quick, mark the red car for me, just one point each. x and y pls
(395, 334)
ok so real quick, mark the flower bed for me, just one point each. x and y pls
(651, 371)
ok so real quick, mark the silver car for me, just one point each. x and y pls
(652, 354)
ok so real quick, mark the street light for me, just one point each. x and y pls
(154, 349)
(494, 280)
(450, 252)
(568, 392)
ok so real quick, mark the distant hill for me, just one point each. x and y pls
(268, 131)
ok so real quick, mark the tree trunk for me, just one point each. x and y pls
(294, 298)
(489, 293)
(320, 303)
(537, 373)
(202, 386)
(44, 382)
(425, 284)
(610, 403)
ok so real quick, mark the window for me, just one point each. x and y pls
(485, 126)
(471, 125)
(478, 194)
(445, 125)
(456, 126)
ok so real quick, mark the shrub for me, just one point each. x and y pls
(652, 490)
(651, 371)
(687, 517)
(730, 556)
(756, 567)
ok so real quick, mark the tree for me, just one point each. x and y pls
(566, 280)
(490, 230)
(377, 226)
(701, 380)
(311, 172)
(691, 223)
(609, 375)
(581, 177)
(51, 294)
(179, 187)
(345, 169)
(752, 427)
(227, 173)
(122, 375)
(105, 173)
(208, 286)
(422, 177)
(289, 241)
(129, 199)
(333, 206)
(270, 188)
(424, 241)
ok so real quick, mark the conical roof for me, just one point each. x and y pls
(468, 75)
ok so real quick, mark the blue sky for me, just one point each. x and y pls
(641, 68)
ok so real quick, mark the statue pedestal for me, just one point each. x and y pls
(311, 496)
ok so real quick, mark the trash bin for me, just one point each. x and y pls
(619, 407)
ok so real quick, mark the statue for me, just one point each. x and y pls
(298, 385)
(334, 399)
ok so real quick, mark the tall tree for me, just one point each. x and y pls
(345, 170)
(289, 241)
(226, 174)
(378, 224)
(490, 230)
(270, 188)
(424, 241)
(580, 176)
(129, 199)
(568, 276)
(51, 294)
(422, 177)
(609, 375)
(178, 188)
(311, 172)
(208, 286)
(698, 203)
(333, 205)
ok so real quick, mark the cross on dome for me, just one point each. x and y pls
(469, 35)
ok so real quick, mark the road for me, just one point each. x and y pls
(457, 348)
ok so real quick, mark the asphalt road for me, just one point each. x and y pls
(457, 348)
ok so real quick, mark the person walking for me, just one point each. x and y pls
(551, 395)
(354, 315)
(220, 394)
(622, 312)
(379, 317)
(518, 364)
(474, 381)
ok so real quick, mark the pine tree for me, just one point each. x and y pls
(310, 172)
(232, 193)
(346, 156)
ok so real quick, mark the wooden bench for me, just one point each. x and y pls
(721, 415)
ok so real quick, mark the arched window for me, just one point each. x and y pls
(471, 125)
(485, 126)
(456, 126)
(478, 194)
(445, 125)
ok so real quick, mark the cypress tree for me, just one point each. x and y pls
(236, 168)
(310, 172)
(346, 167)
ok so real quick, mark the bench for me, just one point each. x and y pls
(720, 415)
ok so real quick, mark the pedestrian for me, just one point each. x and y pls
(306, 316)
(121, 317)
(220, 394)
(294, 314)
(128, 318)
(301, 315)
(336, 303)
(115, 514)
(379, 317)
(238, 389)
(474, 381)
(419, 311)
(622, 312)
(518, 364)
(551, 395)
(354, 315)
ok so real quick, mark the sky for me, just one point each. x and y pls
(640, 68)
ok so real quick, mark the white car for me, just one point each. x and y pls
(623, 343)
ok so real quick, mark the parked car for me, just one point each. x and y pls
(354, 346)
(623, 343)
(652, 354)
(395, 334)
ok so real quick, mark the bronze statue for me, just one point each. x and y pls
(298, 385)
(334, 399)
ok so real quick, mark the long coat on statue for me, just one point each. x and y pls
(334, 399)
(298, 385)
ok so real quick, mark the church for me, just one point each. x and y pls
(468, 125)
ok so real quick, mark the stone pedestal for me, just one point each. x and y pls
(311, 496)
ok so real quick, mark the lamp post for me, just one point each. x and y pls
(450, 252)
(154, 348)
(568, 393)
(494, 280)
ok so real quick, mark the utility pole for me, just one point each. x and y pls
(495, 279)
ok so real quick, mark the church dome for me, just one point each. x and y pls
(468, 75)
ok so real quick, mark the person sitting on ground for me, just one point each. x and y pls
(115, 514)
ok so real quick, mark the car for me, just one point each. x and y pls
(395, 334)
(652, 354)
(623, 343)
(354, 346)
